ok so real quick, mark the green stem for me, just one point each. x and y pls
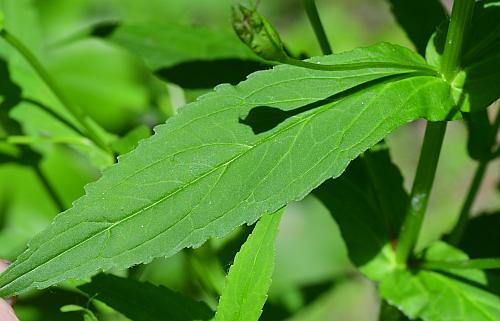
(27, 140)
(319, 31)
(434, 135)
(76, 112)
(421, 190)
(457, 233)
(460, 17)
(356, 65)
(482, 264)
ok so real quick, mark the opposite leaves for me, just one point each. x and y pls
(205, 172)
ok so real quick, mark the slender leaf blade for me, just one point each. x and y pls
(204, 172)
(142, 301)
(249, 277)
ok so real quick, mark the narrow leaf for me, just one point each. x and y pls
(205, 172)
(249, 278)
(87, 314)
(481, 138)
(142, 301)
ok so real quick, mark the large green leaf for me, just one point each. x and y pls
(193, 57)
(368, 202)
(437, 296)
(249, 278)
(204, 173)
(144, 301)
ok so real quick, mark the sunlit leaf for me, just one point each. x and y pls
(434, 296)
(249, 278)
(205, 171)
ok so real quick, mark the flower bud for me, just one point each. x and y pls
(257, 33)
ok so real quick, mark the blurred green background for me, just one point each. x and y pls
(313, 279)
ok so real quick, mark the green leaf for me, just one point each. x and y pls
(419, 19)
(481, 60)
(249, 278)
(368, 202)
(87, 314)
(390, 313)
(177, 52)
(483, 37)
(141, 301)
(435, 296)
(481, 237)
(481, 138)
(204, 172)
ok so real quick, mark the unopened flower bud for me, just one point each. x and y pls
(258, 33)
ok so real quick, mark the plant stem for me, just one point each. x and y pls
(319, 31)
(460, 17)
(482, 264)
(421, 189)
(27, 140)
(457, 233)
(434, 135)
(76, 112)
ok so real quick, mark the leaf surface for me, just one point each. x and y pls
(436, 296)
(142, 301)
(249, 277)
(204, 173)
